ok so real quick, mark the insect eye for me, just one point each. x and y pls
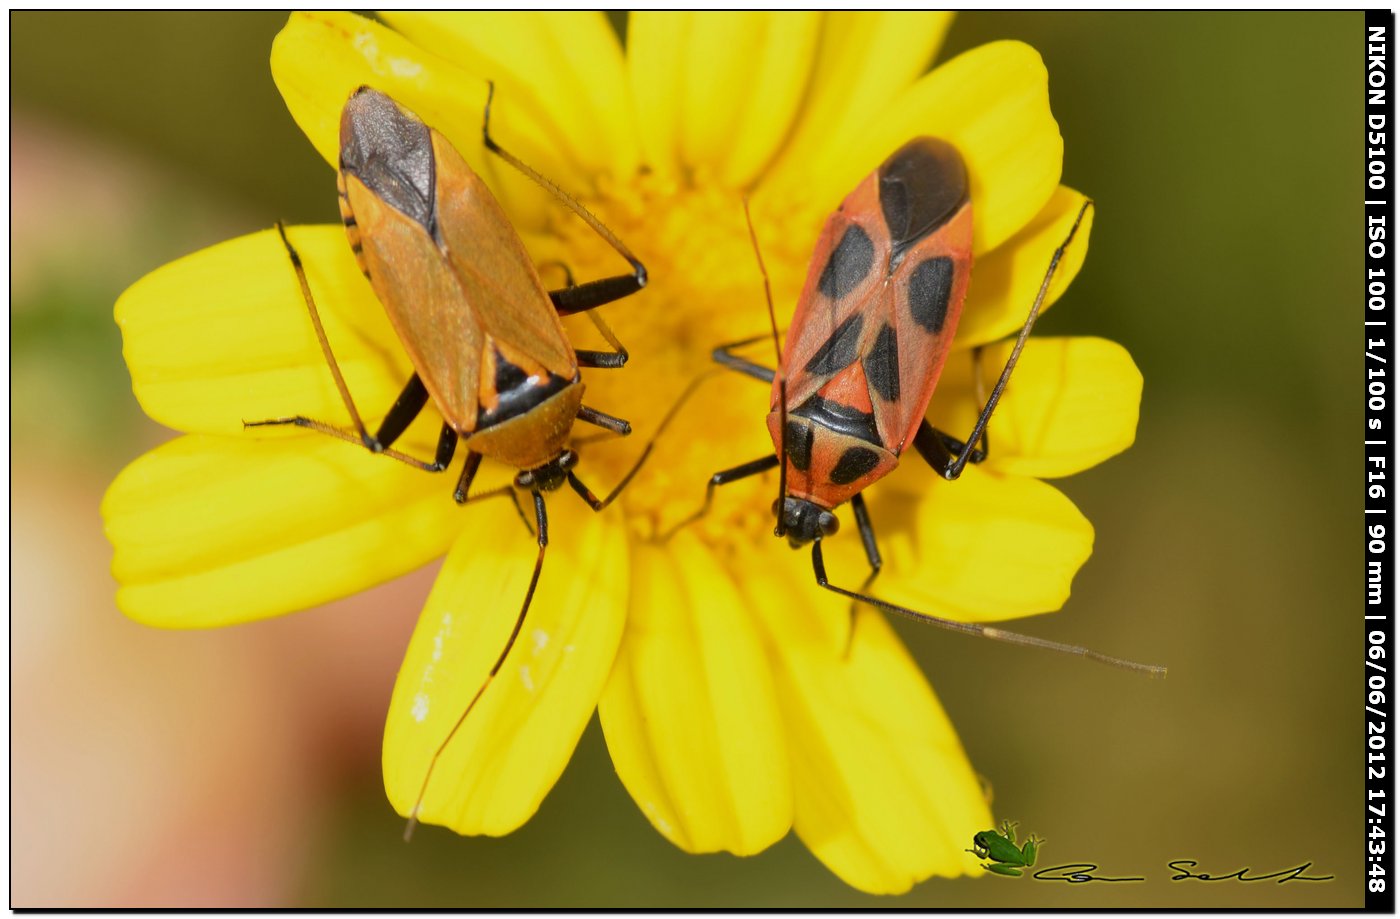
(828, 523)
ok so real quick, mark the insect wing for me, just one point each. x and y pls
(831, 327)
(450, 271)
(884, 291)
(494, 268)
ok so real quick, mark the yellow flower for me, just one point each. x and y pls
(715, 662)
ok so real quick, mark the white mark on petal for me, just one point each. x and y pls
(525, 680)
(419, 711)
(365, 44)
(403, 67)
(441, 637)
(541, 639)
(568, 649)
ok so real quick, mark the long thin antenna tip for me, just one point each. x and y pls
(1153, 671)
(408, 830)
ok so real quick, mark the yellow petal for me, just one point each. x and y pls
(655, 71)
(689, 713)
(319, 59)
(993, 104)
(739, 79)
(1071, 404)
(210, 531)
(885, 796)
(863, 60)
(1004, 284)
(564, 68)
(512, 748)
(985, 547)
(223, 336)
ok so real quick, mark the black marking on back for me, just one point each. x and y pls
(882, 365)
(518, 393)
(840, 419)
(853, 464)
(922, 185)
(391, 152)
(849, 264)
(799, 444)
(930, 287)
(839, 350)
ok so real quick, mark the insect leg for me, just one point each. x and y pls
(940, 448)
(505, 491)
(583, 490)
(590, 294)
(605, 359)
(753, 467)
(404, 410)
(955, 469)
(442, 458)
(406, 407)
(725, 356)
(941, 451)
(872, 553)
(619, 426)
(973, 628)
(464, 482)
(542, 539)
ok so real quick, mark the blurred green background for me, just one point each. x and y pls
(240, 767)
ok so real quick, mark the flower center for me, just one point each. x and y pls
(704, 290)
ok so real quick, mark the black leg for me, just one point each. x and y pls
(583, 490)
(943, 451)
(973, 628)
(586, 296)
(592, 294)
(725, 356)
(464, 482)
(953, 470)
(404, 410)
(542, 538)
(609, 360)
(606, 360)
(872, 553)
(940, 450)
(619, 426)
(505, 491)
(447, 446)
(406, 407)
(401, 414)
(753, 467)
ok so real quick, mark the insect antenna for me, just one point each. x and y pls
(781, 376)
(542, 537)
(973, 628)
(980, 428)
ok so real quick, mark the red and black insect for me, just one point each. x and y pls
(482, 332)
(867, 344)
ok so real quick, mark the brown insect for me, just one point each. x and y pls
(482, 331)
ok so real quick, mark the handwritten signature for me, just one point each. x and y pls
(1083, 873)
